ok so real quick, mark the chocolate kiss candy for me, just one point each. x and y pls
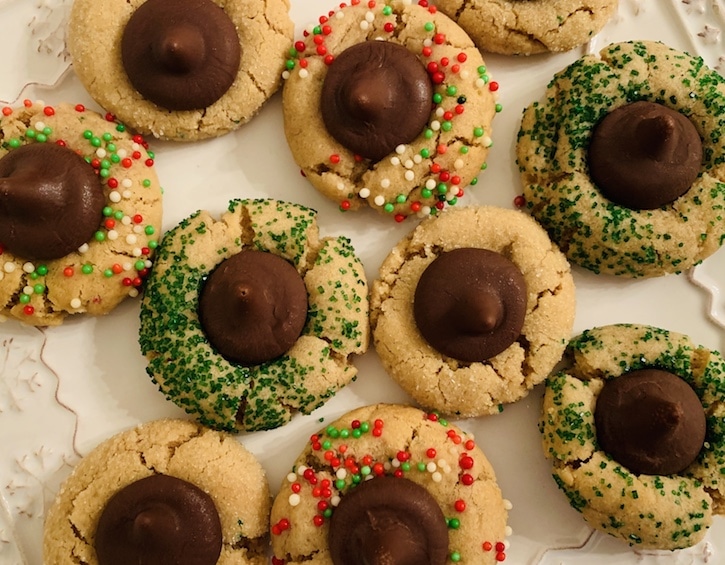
(181, 54)
(376, 95)
(253, 307)
(650, 421)
(388, 520)
(470, 304)
(644, 155)
(51, 201)
(159, 520)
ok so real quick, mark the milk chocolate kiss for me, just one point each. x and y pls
(388, 521)
(644, 155)
(51, 201)
(650, 421)
(180, 54)
(375, 96)
(159, 520)
(470, 304)
(253, 307)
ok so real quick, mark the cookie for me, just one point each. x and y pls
(263, 386)
(80, 214)
(674, 481)
(526, 27)
(420, 476)
(478, 331)
(389, 104)
(212, 490)
(573, 186)
(180, 70)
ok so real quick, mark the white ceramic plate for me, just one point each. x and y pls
(63, 390)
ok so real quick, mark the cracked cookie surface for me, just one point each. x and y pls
(471, 389)
(664, 512)
(398, 440)
(419, 177)
(265, 31)
(110, 267)
(552, 148)
(527, 27)
(212, 461)
(227, 395)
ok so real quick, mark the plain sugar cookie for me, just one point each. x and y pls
(201, 73)
(212, 490)
(527, 27)
(452, 334)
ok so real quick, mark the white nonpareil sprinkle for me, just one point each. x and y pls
(127, 266)
(440, 111)
(409, 175)
(39, 126)
(301, 470)
(417, 158)
(137, 229)
(126, 220)
(341, 473)
(127, 194)
(83, 248)
(507, 504)
(341, 186)
(335, 500)
(133, 293)
(28, 267)
(400, 149)
(464, 74)
(285, 75)
(112, 235)
(303, 73)
(436, 477)
(114, 197)
(395, 161)
(435, 125)
(364, 193)
(370, 17)
(431, 467)
(126, 183)
(364, 25)
(291, 477)
(135, 146)
(294, 499)
(385, 183)
(131, 239)
(487, 141)
(480, 83)
(75, 303)
(136, 252)
(430, 184)
(458, 164)
(28, 290)
(122, 153)
(408, 164)
(509, 531)
(101, 153)
(379, 200)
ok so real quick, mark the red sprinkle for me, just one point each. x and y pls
(7, 110)
(27, 103)
(345, 205)
(80, 108)
(500, 556)
(439, 38)
(520, 201)
(68, 272)
(399, 217)
(277, 561)
(467, 479)
(334, 158)
(49, 111)
(110, 117)
(318, 520)
(431, 453)
(466, 462)
(389, 27)
(28, 310)
(300, 46)
(460, 506)
(493, 86)
(500, 546)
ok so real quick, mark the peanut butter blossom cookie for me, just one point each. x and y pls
(80, 212)
(635, 427)
(168, 492)
(180, 69)
(526, 27)
(622, 162)
(390, 484)
(252, 317)
(389, 104)
(472, 309)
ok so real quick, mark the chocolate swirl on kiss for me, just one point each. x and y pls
(376, 95)
(644, 155)
(51, 201)
(388, 520)
(650, 421)
(470, 304)
(253, 307)
(181, 54)
(159, 520)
